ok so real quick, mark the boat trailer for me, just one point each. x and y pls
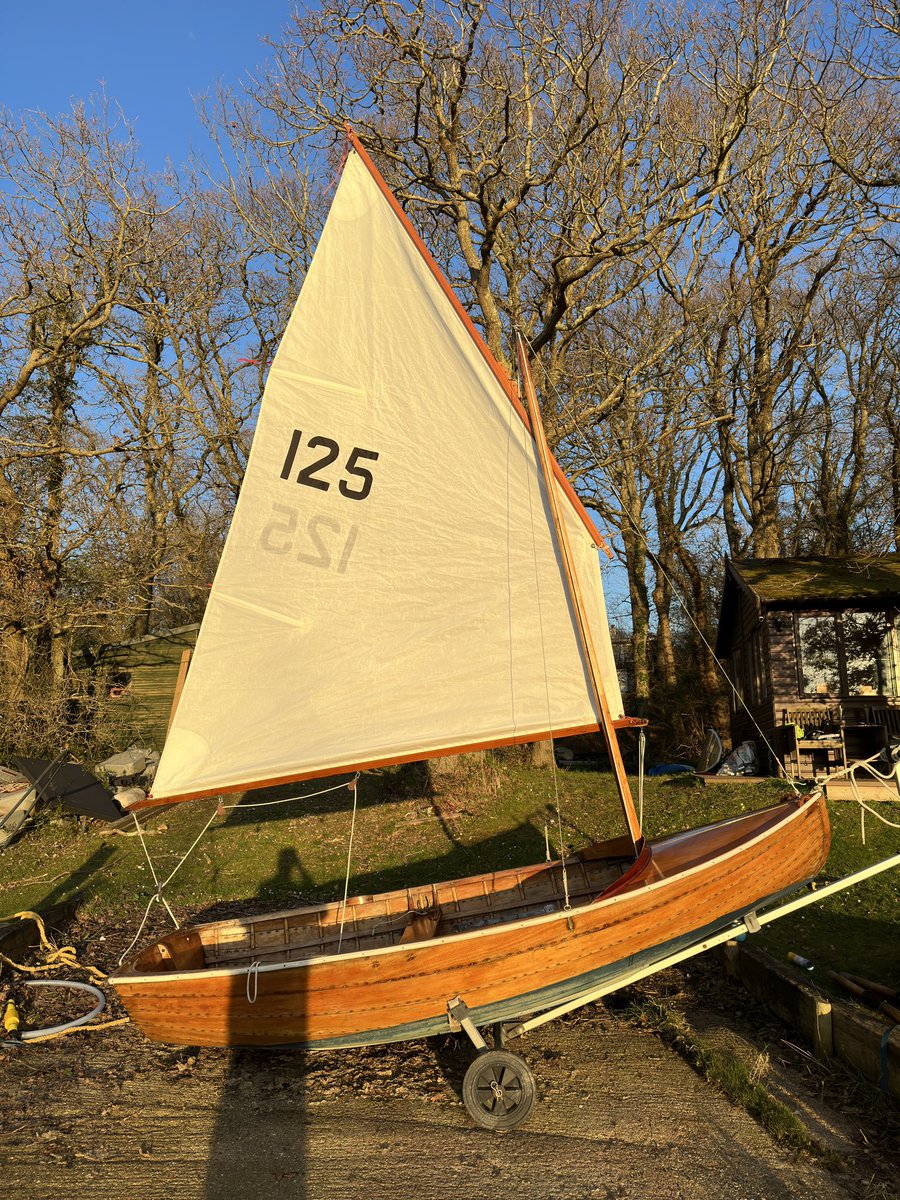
(499, 1087)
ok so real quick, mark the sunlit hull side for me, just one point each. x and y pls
(504, 941)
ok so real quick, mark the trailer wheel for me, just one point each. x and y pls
(498, 1090)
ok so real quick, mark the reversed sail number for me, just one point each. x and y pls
(324, 544)
(356, 487)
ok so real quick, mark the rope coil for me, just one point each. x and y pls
(57, 958)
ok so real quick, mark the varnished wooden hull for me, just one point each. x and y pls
(681, 889)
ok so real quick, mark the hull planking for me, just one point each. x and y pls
(504, 942)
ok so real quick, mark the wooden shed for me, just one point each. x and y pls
(139, 678)
(812, 646)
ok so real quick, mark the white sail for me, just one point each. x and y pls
(389, 589)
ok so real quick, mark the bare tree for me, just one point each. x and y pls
(71, 194)
(789, 220)
(538, 145)
(852, 65)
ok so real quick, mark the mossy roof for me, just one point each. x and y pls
(799, 583)
(155, 650)
(795, 581)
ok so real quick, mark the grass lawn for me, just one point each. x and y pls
(494, 817)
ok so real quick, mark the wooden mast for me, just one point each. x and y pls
(575, 594)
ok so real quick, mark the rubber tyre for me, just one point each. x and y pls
(498, 1090)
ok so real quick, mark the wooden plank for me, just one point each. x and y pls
(713, 780)
(858, 1040)
(870, 789)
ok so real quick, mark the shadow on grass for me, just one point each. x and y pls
(65, 888)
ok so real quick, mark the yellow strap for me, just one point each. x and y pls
(49, 1037)
(56, 956)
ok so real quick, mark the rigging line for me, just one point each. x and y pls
(867, 764)
(355, 789)
(340, 170)
(540, 614)
(676, 591)
(271, 803)
(863, 807)
(158, 897)
(187, 853)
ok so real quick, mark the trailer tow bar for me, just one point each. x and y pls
(751, 922)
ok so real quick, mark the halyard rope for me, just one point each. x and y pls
(867, 764)
(540, 613)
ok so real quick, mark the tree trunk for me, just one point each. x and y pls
(665, 652)
(540, 754)
(636, 566)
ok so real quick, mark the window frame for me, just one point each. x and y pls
(892, 616)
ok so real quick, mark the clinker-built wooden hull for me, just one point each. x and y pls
(504, 942)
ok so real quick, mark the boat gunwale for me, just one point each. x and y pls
(799, 807)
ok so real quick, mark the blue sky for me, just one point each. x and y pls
(153, 55)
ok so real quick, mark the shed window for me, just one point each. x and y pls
(849, 654)
(868, 646)
(820, 671)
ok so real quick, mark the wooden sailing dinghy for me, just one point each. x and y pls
(408, 574)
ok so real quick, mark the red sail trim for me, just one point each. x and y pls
(499, 373)
(338, 769)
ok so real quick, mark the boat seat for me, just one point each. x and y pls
(421, 924)
(181, 951)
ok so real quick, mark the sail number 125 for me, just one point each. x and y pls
(356, 482)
